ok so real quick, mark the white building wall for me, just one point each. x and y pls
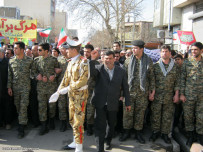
(158, 13)
(186, 22)
(175, 17)
(198, 30)
(1, 2)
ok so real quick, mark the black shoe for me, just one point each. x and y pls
(166, 139)
(44, 129)
(125, 135)
(63, 126)
(201, 139)
(89, 129)
(139, 137)
(154, 136)
(51, 124)
(67, 148)
(108, 146)
(21, 132)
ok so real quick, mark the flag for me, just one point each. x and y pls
(62, 37)
(45, 32)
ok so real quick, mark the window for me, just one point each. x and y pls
(199, 7)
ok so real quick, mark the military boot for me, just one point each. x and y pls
(154, 136)
(44, 129)
(89, 129)
(21, 132)
(138, 136)
(63, 126)
(51, 124)
(125, 135)
(191, 138)
(166, 138)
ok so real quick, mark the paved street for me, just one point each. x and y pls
(55, 140)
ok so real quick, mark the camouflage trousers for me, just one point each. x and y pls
(77, 106)
(90, 112)
(135, 117)
(162, 116)
(62, 106)
(193, 110)
(21, 101)
(45, 106)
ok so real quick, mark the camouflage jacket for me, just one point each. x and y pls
(19, 71)
(150, 81)
(165, 86)
(192, 76)
(45, 67)
(76, 75)
(63, 63)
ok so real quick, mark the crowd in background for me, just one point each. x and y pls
(184, 79)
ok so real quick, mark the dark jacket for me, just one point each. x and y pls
(107, 91)
(4, 75)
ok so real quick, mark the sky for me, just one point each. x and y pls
(83, 32)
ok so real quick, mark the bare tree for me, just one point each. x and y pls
(101, 39)
(110, 12)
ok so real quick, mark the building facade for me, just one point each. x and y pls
(173, 15)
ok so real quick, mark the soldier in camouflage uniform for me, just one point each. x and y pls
(141, 82)
(75, 78)
(166, 85)
(63, 99)
(19, 83)
(44, 71)
(191, 93)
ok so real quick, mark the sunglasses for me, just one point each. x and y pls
(40, 50)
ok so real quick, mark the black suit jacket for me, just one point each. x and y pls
(108, 91)
(4, 75)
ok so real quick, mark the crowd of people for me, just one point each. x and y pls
(121, 89)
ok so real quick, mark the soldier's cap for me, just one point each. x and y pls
(138, 43)
(72, 43)
(2, 50)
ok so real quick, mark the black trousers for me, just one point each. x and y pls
(104, 117)
(33, 115)
(7, 109)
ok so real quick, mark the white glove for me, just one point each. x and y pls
(54, 97)
(64, 90)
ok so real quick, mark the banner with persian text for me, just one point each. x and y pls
(186, 37)
(18, 28)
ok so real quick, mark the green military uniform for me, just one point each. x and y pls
(138, 98)
(192, 88)
(91, 85)
(76, 77)
(45, 67)
(19, 81)
(90, 107)
(162, 107)
(63, 99)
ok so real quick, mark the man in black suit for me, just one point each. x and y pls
(110, 80)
